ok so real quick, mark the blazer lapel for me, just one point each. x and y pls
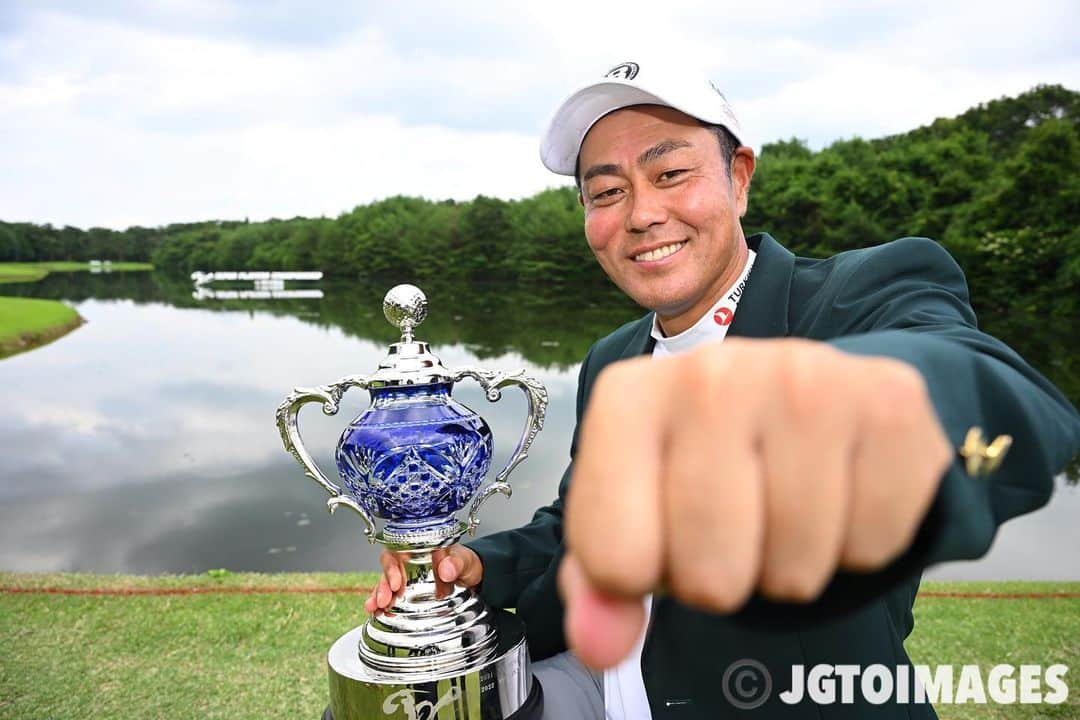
(763, 309)
(641, 340)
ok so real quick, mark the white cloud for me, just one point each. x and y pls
(185, 111)
(273, 169)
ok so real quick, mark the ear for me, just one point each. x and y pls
(742, 170)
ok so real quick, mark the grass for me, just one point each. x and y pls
(262, 655)
(31, 272)
(988, 632)
(189, 656)
(27, 323)
(21, 272)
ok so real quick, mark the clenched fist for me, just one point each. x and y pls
(748, 465)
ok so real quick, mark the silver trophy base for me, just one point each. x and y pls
(501, 688)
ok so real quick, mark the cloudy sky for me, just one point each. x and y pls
(116, 113)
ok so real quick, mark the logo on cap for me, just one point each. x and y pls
(625, 71)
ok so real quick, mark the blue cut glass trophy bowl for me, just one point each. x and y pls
(415, 458)
(416, 462)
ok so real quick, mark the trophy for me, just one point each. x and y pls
(414, 459)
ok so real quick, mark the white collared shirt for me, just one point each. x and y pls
(712, 326)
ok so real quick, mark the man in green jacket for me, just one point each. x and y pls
(763, 464)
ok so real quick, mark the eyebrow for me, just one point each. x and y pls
(656, 151)
(595, 170)
(660, 149)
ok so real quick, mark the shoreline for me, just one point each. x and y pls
(30, 323)
(14, 340)
(15, 272)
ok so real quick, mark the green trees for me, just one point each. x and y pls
(486, 223)
(550, 247)
(997, 185)
(28, 242)
(1020, 231)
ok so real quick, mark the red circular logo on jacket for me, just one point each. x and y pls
(723, 316)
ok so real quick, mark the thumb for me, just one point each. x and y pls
(459, 564)
(469, 566)
(600, 628)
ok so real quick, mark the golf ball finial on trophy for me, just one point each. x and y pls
(414, 459)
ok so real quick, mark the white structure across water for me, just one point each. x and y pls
(201, 278)
(268, 284)
(205, 293)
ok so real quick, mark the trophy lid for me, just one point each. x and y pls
(409, 361)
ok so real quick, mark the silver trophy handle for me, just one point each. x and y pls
(287, 412)
(493, 382)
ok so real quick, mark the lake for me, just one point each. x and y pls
(145, 442)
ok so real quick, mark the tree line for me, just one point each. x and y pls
(997, 185)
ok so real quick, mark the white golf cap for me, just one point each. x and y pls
(627, 84)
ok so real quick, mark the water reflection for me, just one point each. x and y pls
(262, 285)
(205, 293)
(488, 320)
(146, 441)
(148, 444)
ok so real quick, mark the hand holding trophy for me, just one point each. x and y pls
(414, 459)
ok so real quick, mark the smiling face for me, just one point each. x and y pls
(662, 211)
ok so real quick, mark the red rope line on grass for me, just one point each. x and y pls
(182, 591)
(998, 595)
(935, 594)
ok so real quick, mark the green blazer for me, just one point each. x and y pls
(908, 300)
